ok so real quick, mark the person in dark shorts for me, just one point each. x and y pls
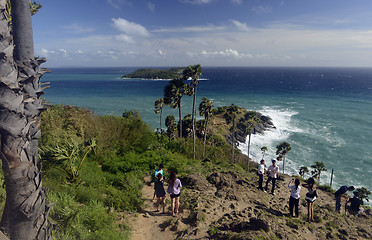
(159, 192)
(261, 173)
(311, 195)
(174, 190)
(159, 170)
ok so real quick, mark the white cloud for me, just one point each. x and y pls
(151, 6)
(76, 28)
(64, 51)
(124, 38)
(117, 3)
(197, 2)
(241, 26)
(262, 9)
(237, 1)
(161, 52)
(80, 52)
(129, 28)
(226, 53)
(210, 28)
(113, 4)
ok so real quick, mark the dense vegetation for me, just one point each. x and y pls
(150, 73)
(94, 167)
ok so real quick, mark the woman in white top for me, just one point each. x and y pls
(295, 196)
(261, 173)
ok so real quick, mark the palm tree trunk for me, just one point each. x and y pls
(283, 163)
(22, 30)
(161, 113)
(249, 144)
(180, 113)
(25, 212)
(193, 123)
(205, 134)
(233, 140)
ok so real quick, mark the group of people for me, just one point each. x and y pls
(273, 173)
(311, 195)
(174, 190)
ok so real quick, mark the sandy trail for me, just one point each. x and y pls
(145, 225)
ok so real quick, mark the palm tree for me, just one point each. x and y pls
(205, 109)
(253, 120)
(170, 122)
(281, 150)
(25, 213)
(318, 169)
(159, 108)
(231, 112)
(263, 150)
(173, 94)
(193, 72)
(303, 171)
(248, 125)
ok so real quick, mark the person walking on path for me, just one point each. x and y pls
(311, 196)
(273, 172)
(159, 192)
(157, 171)
(261, 173)
(339, 193)
(295, 196)
(174, 189)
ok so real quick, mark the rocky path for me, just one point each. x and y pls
(149, 224)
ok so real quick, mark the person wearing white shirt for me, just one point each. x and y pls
(295, 196)
(273, 171)
(261, 173)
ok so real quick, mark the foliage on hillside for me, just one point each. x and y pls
(109, 180)
(150, 73)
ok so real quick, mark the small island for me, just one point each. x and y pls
(150, 73)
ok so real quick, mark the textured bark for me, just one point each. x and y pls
(25, 214)
(23, 39)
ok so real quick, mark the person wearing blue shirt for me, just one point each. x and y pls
(157, 171)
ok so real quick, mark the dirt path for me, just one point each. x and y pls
(148, 224)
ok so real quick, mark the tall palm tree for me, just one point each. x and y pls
(253, 121)
(248, 125)
(194, 73)
(281, 150)
(231, 112)
(170, 122)
(205, 110)
(159, 108)
(25, 212)
(173, 94)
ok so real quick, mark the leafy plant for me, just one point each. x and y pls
(303, 171)
(69, 158)
(363, 193)
(281, 150)
(318, 169)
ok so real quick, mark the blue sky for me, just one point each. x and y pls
(210, 32)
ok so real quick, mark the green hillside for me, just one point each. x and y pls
(149, 73)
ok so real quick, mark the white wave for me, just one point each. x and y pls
(285, 127)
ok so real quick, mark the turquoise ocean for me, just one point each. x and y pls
(324, 113)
